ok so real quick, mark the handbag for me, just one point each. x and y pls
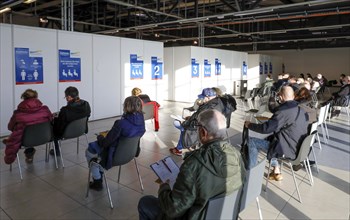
(245, 148)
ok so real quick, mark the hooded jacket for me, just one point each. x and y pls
(29, 111)
(72, 111)
(130, 125)
(215, 169)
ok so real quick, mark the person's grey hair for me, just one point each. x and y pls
(214, 122)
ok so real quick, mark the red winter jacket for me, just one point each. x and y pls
(29, 111)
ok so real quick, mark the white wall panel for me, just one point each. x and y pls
(82, 45)
(169, 73)
(196, 86)
(43, 41)
(106, 77)
(6, 78)
(153, 88)
(131, 46)
(182, 75)
(224, 81)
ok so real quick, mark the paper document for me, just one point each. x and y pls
(177, 117)
(166, 169)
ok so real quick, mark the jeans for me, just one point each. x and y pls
(148, 208)
(256, 144)
(91, 152)
(178, 125)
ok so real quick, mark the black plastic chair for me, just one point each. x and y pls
(128, 149)
(35, 135)
(74, 129)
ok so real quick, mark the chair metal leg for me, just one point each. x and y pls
(138, 173)
(55, 154)
(315, 159)
(19, 167)
(87, 142)
(267, 178)
(77, 145)
(259, 209)
(324, 134)
(59, 146)
(120, 169)
(295, 182)
(318, 140)
(88, 183)
(306, 165)
(326, 128)
(309, 168)
(108, 191)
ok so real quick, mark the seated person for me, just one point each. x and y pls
(303, 97)
(138, 92)
(225, 104)
(292, 82)
(131, 124)
(206, 95)
(341, 79)
(340, 98)
(76, 108)
(289, 126)
(30, 111)
(322, 81)
(282, 80)
(202, 176)
(147, 101)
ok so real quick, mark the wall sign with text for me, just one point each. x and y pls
(261, 68)
(136, 67)
(157, 68)
(29, 66)
(69, 69)
(194, 68)
(217, 67)
(270, 69)
(207, 68)
(265, 68)
(244, 69)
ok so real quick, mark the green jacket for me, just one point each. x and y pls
(212, 170)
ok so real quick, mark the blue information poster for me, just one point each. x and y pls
(207, 68)
(29, 66)
(157, 68)
(217, 67)
(261, 68)
(245, 68)
(194, 68)
(69, 66)
(136, 67)
(265, 68)
(270, 69)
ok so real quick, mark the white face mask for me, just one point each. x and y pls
(319, 77)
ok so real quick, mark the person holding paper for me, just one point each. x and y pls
(131, 124)
(216, 168)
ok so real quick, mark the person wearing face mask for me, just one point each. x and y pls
(289, 127)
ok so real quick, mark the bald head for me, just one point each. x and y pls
(214, 123)
(287, 93)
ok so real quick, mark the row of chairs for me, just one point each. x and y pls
(42, 133)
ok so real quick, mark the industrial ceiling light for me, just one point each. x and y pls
(5, 10)
(195, 42)
(157, 35)
(43, 20)
(28, 1)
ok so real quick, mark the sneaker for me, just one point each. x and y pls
(52, 152)
(176, 151)
(96, 185)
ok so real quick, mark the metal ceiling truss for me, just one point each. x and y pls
(227, 24)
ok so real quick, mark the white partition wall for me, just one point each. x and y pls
(41, 43)
(6, 78)
(79, 45)
(217, 68)
(99, 66)
(106, 77)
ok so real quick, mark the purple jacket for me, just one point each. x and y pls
(29, 111)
